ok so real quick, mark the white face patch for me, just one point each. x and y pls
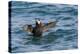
(38, 22)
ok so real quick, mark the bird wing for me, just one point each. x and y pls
(45, 27)
(49, 25)
(28, 28)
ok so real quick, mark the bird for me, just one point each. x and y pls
(39, 27)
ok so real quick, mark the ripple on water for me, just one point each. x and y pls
(63, 36)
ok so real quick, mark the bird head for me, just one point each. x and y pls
(37, 20)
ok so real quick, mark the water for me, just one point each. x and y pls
(64, 36)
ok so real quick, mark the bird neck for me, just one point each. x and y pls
(39, 25)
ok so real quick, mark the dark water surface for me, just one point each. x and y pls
(62, 37)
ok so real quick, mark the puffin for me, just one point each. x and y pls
(39, 27)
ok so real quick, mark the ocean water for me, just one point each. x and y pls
(63, 36)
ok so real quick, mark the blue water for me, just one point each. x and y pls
(62, 37)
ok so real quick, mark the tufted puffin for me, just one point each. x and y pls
(39, 27)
